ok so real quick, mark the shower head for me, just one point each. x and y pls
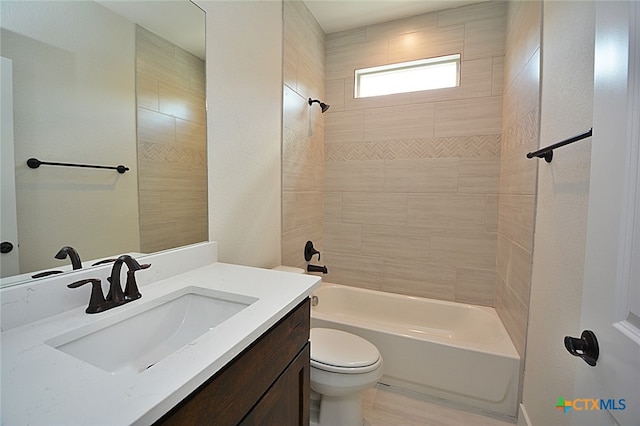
(324, 107)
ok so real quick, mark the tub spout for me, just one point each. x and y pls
(317, 268)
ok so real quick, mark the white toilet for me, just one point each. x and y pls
(343, 365)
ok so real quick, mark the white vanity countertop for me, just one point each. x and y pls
(42, 385)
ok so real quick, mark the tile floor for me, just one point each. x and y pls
(389, 406)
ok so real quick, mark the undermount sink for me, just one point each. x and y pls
(140, 337)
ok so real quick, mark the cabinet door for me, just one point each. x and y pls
(227, 397)
(287, 401)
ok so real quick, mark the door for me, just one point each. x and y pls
(611, 292)
(9, 264)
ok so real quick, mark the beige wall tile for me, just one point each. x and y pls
(303, 133)
(514, 315)
(517, 172)
(426, 44)
(343, 176)
(301, 209)
(310, 78)
(447, 211)
(522, 36)
(422, 175)
(464, 248)
(527, 87)
(342, 237)
(290, 64)
(475, 286)
(344, 126)
(156, 127)
(374, 208)
(332, 208)
(497, 76)
(173, 101)
(391, 165)
(399, 122)
(479, 175)
(419, 278)
(190, 134)
(491, 213)
(395, 242)
(394, 28)
(516, 219)
(302, 175)
(503, 253)
(469, 117)
(474, 12)
(296, 111)
(485, 39)
(342, 61)
(517, 176)
(335, 94)
(519, 273)
(172, 161)
(147, 92)
(335, 41)
(355, 270)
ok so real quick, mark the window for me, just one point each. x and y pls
(424, 74)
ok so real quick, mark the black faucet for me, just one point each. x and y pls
(317, 268)
(115, 297)
(131, 291)
(73, 255)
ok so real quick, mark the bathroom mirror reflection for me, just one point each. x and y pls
(106, 83)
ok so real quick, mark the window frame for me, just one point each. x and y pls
(407, 65)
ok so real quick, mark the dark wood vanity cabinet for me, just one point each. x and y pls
(266, 384)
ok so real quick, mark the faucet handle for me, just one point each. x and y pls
(310, 251)
(131, 291)
(97, 303)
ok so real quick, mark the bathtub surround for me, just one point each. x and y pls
(412, 180)
(303, 133)
(521, 122)
(172, 144)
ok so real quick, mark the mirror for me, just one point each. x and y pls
(106, 83)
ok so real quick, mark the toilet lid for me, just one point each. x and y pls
(335, 350)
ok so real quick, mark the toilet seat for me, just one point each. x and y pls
(340, 352)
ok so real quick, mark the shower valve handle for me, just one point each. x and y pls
(309, 251)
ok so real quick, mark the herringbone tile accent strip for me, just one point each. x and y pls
(297, 145)
(166, 153)
(462, 146)
(524, 133)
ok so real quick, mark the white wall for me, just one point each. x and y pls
(244, 129)
(561, 215)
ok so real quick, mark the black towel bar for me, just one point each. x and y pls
(547, 153)
(34, 163)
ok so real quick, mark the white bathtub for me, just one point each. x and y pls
(453, 351)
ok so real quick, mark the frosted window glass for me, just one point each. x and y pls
(426, 74)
